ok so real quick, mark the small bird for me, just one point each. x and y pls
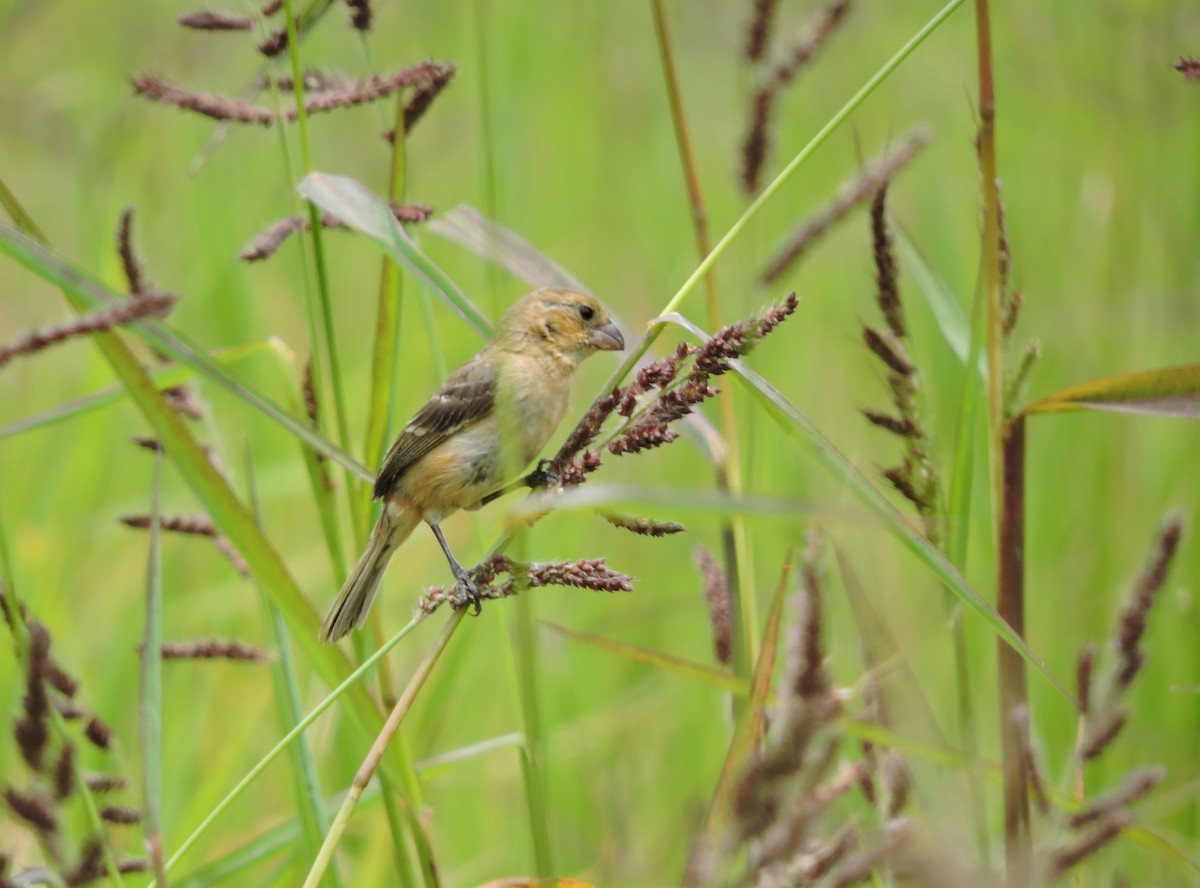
(477, 432)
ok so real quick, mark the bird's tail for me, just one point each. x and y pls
(350, 608)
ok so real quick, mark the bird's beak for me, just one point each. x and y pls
(607, 338)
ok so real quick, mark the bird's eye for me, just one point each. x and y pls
(587, 312)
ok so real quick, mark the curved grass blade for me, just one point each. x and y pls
(469, 228)
(164, 377)
(88, 293)
(592, 496)
(801, 429)
(689, 669)
(357, 206)
(947, 311)
(1172, 391)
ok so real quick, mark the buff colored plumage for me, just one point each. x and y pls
(477, 432)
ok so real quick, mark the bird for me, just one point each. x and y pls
(477, 432)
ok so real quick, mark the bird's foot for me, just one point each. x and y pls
(542, 476)
(468, 593)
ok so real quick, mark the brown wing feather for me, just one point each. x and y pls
(465, 398)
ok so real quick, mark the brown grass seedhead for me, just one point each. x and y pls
(886, 270)
(756, 143)
(360, 14)
(98, 733)
(35, 810)
(99, 783)
(64, 772)
(214, 650)
(759, 32)
(1132, 622)
(643, 526)
(590, 573)
(875, 175)
(208, 20)
(120, 814)
(1103, 733)
(1072, 854)
(1189, 67)
(423, 96)
(125, 313)
(716, 595)
(183, 401)
(268, 243)
(1136, 785)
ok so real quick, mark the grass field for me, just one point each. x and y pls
(531, 750)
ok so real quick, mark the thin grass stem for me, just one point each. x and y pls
(376, 753)
(739, 577)
(301, 726)
(319, 263)
(150, 696)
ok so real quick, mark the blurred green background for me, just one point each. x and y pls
(1099, 152)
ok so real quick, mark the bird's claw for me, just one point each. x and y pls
(468, 594)
(542, 476)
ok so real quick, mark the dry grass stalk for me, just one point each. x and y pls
(126, 313)
(874, 176)
(209, 20)
(591, 573)
(755, 144)
(267, 243)
(716, 595)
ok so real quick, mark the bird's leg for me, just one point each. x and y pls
(466, 586)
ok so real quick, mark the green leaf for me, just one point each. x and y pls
(358, 207)
(689, 669)
(1173, 391)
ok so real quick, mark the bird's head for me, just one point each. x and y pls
(567, 324)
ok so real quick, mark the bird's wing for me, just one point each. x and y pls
(465, 398)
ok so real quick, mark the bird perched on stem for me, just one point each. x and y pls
(487, 422)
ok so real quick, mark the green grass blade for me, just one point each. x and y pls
(355, 205)
(689, 669)
(150, 697)
(1172, 391)
(164, 377)
(87, 293)
(951, 321)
